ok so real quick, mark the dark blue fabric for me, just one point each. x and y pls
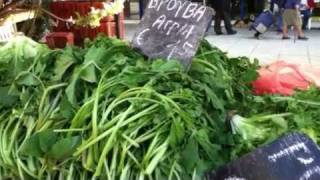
(222, 5)
(279, 21)
(305, 20)
(242, 9)
(280, 3)
(292, 4)
(265, 18)
(259, 6)
(278, 15)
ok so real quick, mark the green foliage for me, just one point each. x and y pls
(105, 111)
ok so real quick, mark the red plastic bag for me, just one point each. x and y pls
(311, 73)
(280, 78)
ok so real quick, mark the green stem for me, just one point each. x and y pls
(110, 141)
(297, 100)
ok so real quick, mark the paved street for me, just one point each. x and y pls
(268, 49)
(271, 47)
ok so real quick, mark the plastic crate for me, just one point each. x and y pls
(7, 32)
(59, 39)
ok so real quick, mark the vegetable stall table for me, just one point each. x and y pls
(107, 112)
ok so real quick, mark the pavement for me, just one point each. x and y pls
(267, 49)
(270, 47)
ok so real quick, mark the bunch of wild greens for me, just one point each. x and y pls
(272, 116)
(107, 112)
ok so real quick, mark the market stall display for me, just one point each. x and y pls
(110, 113)
(106, 111)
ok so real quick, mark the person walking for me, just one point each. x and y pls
(306, 10)
(291, 17)
(223, 12)
(260, 4)
(242, 9)
(276, 6)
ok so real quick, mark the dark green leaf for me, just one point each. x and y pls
(249, 76)
(63, 62)
(6, 100)
(177, 133)
(66, 108)
(71, 89)
(47, 139)
(96, 55)
(32, 147)
(64, 148)
(89, 74)
(190, 155)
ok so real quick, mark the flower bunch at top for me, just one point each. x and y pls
(95, 15)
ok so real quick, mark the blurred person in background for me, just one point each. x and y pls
(242, 9)
(260, 5)
(277, 6)
(223, 12)
(306, 11)
(292, 17)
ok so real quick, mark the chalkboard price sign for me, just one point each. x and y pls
(172, 29)
(292, 157)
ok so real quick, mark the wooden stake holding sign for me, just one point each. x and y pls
(172, 29)
(292, 157)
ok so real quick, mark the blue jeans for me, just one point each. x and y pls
(305, 20)
(279, 20)
(260, 6)
(242, 9)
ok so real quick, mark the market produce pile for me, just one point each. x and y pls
(107, 112)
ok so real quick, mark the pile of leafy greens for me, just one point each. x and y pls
(268, 117)
(107, 112)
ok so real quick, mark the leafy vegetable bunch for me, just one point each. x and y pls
(107, 112)
(272, 116)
